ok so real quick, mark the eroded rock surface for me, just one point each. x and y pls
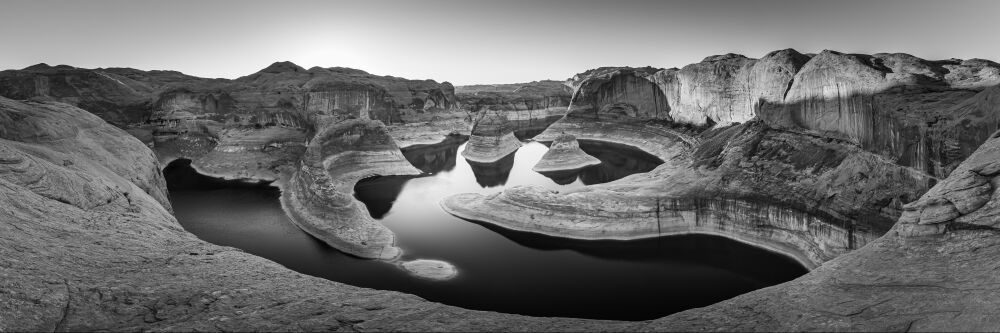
(564, 154)
(319, 197)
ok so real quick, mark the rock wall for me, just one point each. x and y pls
(623, 95)
(896, 105)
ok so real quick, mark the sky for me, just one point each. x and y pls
(476, 42)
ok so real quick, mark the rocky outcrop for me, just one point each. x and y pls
(492, 138)
(622, 95)
(430, 269)
(564, 154)
(319, 198)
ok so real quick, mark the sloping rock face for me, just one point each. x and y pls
(76, 145)
(492, 138)
(564, 154)
(87, 243)
(319, 198)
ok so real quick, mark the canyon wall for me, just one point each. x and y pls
(251, 127)
(896, 105)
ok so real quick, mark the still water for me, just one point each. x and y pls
(499, 270)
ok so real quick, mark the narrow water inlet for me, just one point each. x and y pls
(499, 270)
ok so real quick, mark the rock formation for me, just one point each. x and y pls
(564, 154)
(430, 269)
(802, 196)
(87, 242)
(895, 105)
(529, 107)
(821, 157)
(319, 197)
(841, 124)
(492, 138)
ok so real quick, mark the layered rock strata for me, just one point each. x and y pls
(319, 197)
(492, 138)
(564, 154)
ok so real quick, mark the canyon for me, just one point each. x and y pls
(877, 172)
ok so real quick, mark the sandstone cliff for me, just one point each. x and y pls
(895, 105)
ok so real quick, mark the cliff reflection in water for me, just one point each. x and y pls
(493, 174)
(617, 161)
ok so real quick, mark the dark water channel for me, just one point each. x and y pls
(499, 270)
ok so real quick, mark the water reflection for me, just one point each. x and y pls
(526, 129)
(617, 161)
(494, 173)
(436, 157)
